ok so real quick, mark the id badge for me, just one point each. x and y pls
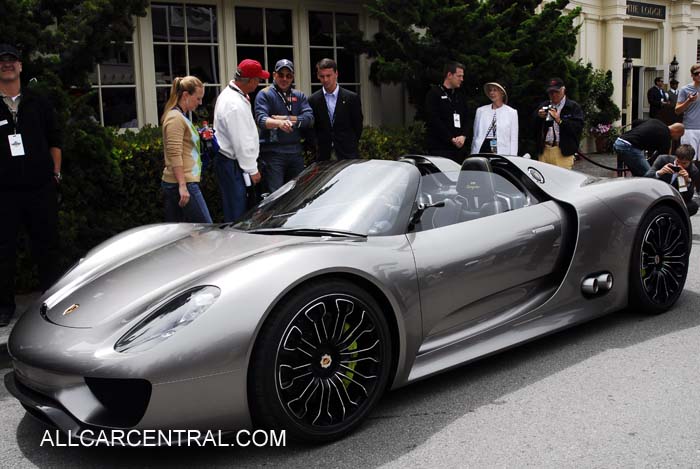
(682, 187)
(493, 144)
(16, 145)
(457, 123)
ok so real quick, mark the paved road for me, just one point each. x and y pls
(621, 391)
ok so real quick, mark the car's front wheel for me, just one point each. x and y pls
(321, 362)
(659, 261)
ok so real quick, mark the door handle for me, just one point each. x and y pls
(543, 229)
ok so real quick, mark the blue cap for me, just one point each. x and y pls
(284, 63)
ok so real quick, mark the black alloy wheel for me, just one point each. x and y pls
(660, 261)
(321, 362)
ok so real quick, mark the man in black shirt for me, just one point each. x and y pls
(30, 170)
(651, 135)
(446, 115)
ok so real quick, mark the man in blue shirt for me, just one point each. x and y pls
(281, 112)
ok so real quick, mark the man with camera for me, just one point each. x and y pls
(652, 136)
(680, 172)
(558, 126)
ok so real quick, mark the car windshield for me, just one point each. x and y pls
(364, 197)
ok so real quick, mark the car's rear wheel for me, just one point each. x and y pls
(659, 261)
(321, 362)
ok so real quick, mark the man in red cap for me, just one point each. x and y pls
(236, 164)
(558, 126)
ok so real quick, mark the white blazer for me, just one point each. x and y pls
(506, 128)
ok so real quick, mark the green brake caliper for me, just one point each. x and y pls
(348, 373)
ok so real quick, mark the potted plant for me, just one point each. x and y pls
(603, 136)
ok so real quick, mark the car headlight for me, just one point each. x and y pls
(168, 319)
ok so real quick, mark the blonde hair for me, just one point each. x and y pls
(180, 85)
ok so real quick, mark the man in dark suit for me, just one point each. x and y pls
(680, 172)
(337, 116)
(656, 97)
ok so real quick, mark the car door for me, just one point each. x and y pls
(477, 270)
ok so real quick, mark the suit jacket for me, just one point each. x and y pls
(569, 131)
(662, 161)
(654, 98)
(341, 135)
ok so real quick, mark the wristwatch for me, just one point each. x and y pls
(58, 176)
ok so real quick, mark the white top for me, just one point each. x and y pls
(506, 128)
(235, 128)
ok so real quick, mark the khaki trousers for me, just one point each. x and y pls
(552, 155)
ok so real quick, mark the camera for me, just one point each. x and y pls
(675, 168)
(548, 119)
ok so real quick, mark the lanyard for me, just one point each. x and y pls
(446, 94)
(492, 127)
(237, 90)
(286, 100)
(13, 109)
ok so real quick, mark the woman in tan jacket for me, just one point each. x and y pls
(182, 197)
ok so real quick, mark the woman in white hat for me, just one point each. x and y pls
(495, 124)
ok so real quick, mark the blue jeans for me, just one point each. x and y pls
(279, 168)
(232, 185)
(633, 157)
(195, 211)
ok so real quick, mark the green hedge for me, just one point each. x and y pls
(112, 183)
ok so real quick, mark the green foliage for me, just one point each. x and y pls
(597, 105)
(391, 143)
(519, 44)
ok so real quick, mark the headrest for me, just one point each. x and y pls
(475, 179)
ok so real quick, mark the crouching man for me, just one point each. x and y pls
(680, 172)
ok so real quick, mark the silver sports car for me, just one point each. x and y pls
(356, 277)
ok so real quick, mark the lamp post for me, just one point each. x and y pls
(673, 68)
(627, 70)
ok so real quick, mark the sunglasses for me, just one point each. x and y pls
(696, 73)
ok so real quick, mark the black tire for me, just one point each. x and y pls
(660, 259)
(314, 376)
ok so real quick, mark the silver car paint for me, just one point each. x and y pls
(202, 370)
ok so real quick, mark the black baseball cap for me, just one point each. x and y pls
(284, 63)
(554, 84)
(7, 49)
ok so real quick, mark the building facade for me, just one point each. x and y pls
(650, 33)
(207, 38)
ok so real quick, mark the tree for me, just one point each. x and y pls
(517, 43)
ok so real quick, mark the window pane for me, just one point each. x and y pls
(119, 69)
(159, 22)
(204, 63)
(316, 55)
(162, 95)
(315, 88)
(119, 107)
(168, 23)
(353, 88)
(169, 62)
(347, 67)
(344, 24)
(279, 26)
(249, 26)
(320, 28)
(201, 24)
(255, 53)
(276, 53)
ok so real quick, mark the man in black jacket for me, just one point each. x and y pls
(657, 97)
(446, 115)
(337, 116)
(651, 135)
(558, 125)
(30, 170)
(680, 172)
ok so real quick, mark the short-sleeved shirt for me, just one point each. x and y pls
(691, 117)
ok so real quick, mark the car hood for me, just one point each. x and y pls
(121, 279)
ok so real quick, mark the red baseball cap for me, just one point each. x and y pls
(250, 68)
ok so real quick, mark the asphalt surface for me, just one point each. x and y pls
(620, 391)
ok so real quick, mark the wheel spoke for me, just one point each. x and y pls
(355, 353)
(342, 376)
(291, 403)
(288, 374)
(294, 341)
(355, 372)
(340, 397)
(315, 314)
